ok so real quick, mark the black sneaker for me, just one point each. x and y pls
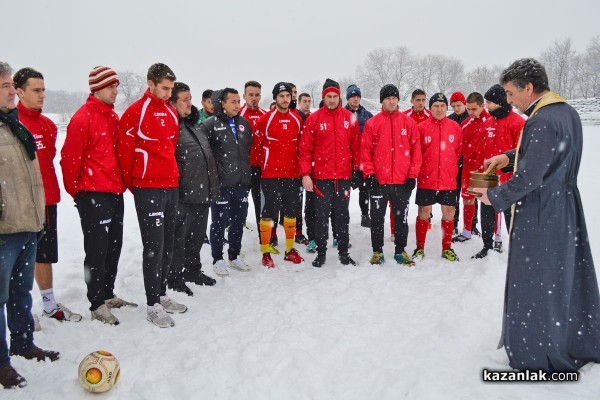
(38, 354)
(498, 247)
(201, 279)
(365, 221)
(475, 231)
(319, 261)
(301, 239)
(460, 238)
(274, 241)
(482, 254)
(9, 378)
(180, 286)
(345, 259)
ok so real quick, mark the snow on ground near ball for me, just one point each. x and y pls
(337, 332)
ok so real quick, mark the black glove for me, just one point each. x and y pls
(410, 183)
(356, 179)
(372, 184)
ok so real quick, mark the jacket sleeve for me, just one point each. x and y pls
(257, 143)
(366, 150)
(126, 142)
(306, 146)
(459, 142)
(535, 157)
(355, 146)
(416, 157)
(72, 153)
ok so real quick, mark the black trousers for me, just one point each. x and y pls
(101, 216)
(156, 211)
(363, 196)
(332, 195)
(488, 224)
(279, 195)
(309, 215)
(399, 196)
(190, 230)
(256, 199)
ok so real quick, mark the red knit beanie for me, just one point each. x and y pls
(458, 96)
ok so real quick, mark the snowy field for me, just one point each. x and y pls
(337, 332)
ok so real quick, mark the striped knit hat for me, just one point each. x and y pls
(102, 77)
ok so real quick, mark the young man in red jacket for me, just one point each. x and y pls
(276, 140)
(502, 135)
(252, 112)
(30, 87)
(441, 145)
(329, 165)
(474, 130)
(391, 161)
(146, 155)
(91, 176)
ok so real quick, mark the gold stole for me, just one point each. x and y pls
(548, 98)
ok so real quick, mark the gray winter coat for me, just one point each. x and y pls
(22, 201)
(232, 156)
(551, 306)
(198, 176)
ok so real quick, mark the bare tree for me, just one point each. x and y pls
(383, 66)
(480, 79)
(132, 86)
(62, 102)
(312, 88)
(557, 60)
(449, 73)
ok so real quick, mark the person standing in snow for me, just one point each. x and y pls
(390, 158)
(276, 141)
(551, 295)
(198, 186)
(353, 96)
(91, 176)
(30, 87)
(502, 134)
(441, 146)
(230, 138)
(207, 109)
(21, 219)
(474, 130)
(329, 166)
(146, 154)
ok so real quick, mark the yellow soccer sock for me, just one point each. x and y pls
(289, 227)
(265, 234)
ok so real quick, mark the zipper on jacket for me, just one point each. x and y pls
(393, 147)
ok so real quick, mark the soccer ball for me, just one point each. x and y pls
(99, 371)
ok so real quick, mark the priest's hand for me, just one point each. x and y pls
(495, 163)
(484, 195)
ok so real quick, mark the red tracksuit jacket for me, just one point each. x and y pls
(44, 131)
(89, 154)
(252, 116)
(418, 117)
(276, 141)
(146, 144)
(330, 144)
(474, 130)
(390, 148)
(441, 145)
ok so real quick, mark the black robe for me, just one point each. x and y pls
(551, 306)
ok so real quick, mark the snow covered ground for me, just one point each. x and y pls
(337, 332)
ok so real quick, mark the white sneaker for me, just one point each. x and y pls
(171, 306)
(103, 314)
(159, 317)
(240, 264)
(220, 268)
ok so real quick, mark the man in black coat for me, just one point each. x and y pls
(198, 186)
(551, 306)
(230, 137)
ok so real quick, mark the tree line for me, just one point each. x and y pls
(572, 74)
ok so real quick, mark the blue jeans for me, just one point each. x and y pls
(17, 262)
(231, 209)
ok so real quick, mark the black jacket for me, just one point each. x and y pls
(232, 156)
(198, 176)
(362, 114)
(459, 118)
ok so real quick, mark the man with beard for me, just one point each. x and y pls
(329, 165)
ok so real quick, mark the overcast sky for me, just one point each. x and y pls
(225, 43)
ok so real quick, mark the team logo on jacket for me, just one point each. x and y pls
(403, 132)
(241, 128)
(451, 138)
(346, 124)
